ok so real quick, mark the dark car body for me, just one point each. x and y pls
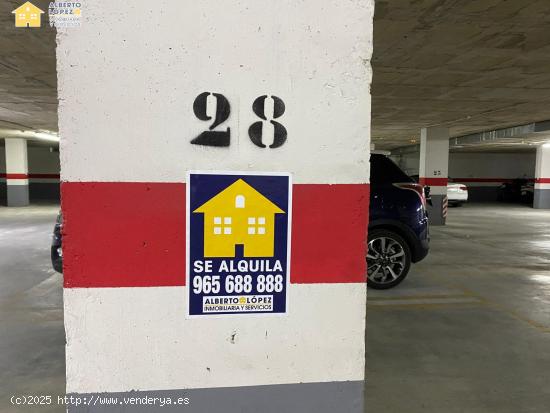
(516, 190)
(396, 206)
(56, 252)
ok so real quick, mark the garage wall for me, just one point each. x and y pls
(410, 163)
(485, 172)
(482, 172)
(43, 174)
(3, 175)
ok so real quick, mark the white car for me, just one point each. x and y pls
(457, 194)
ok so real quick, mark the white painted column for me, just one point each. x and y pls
(434, 167)
(542, 178)
(17, 172)
(155, 96)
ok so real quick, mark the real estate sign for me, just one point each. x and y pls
(238, 240)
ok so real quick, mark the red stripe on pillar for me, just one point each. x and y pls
(16, 176)
(24, 176)
(433, 181)
(133, 234)
(329, 233)
(123, 234)
(542, 180)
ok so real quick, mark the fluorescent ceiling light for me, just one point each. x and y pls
(46, 136)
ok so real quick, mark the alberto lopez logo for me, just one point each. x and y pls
(65, 14)
(28, 15)
(61, 14)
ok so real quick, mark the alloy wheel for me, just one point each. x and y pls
(386, 260)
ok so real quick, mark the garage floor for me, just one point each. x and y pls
(32, 337)
(468, 331)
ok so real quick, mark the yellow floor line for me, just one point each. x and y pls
(509, 311)
(424, 306)
(413, 297)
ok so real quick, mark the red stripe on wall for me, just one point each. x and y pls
(44, 176)
(499, 180)
(488, 180)
(433, 181)
(133, 234)
(542, 180)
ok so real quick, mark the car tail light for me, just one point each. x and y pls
(463, 188)
(419, 189)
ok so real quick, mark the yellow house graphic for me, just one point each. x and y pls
(239, 215)
(27, 15)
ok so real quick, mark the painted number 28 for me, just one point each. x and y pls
(221, 138)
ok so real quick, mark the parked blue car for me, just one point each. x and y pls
(398, 224)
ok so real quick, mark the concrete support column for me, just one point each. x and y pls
(17, 172)
(542, 178)
(229, 158)
(434, 167)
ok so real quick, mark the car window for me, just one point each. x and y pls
(384, 171)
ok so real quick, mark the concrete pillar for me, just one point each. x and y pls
(542, 178)
(434, 167)
(17, 172)
(254, 106)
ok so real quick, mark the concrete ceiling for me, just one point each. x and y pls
(28, 79)
(472, 65)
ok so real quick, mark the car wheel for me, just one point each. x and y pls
(57, 260)
(388, 259)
